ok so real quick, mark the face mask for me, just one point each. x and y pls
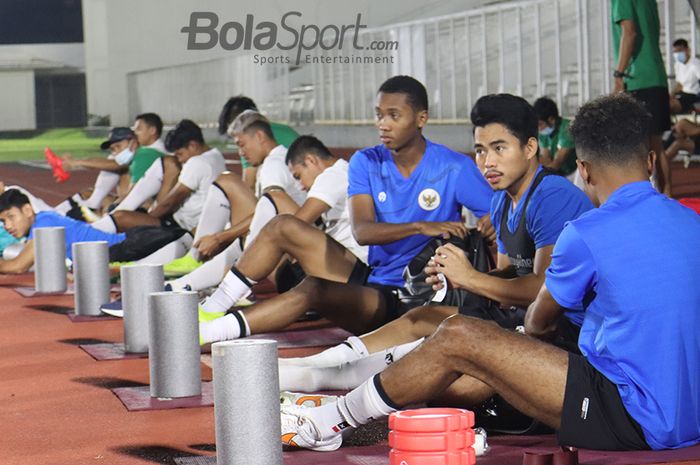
(124, 157)
(547, 131)
(680, 57)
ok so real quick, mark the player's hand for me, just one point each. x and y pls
(618, 86)
(444, 230)
(208, 246)
(485, 227)
(68, 162)
(451, 261)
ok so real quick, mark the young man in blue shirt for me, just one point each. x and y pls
(529, 210)
(19, 219)
(637, 385)
(401, 193)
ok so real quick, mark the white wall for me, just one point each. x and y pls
(17, 100)
(132, 35)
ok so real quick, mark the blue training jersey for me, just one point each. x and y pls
(76, 231)
(632, 265)
(440, 185)
(555, 202)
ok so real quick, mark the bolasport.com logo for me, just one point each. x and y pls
(205, 31)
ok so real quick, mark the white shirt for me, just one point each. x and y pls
(688, 74)
(274, 172)
(198, 173)
(331, 188)
(158, 145)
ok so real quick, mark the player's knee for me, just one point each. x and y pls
(283, 226)
(458, 328)
(226, 179)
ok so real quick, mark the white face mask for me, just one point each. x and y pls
(680, 57)
(124, 157)
(547, 131)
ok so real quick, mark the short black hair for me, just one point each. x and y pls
(232, 108)
(153, 120)
(12, 198)
(513, 112)
(304, 145)
(182, 134)
(613, 130)
(410, 87)
(680, 43)
(546, 108)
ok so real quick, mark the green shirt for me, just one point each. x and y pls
(561, 139)
(143, 159)
(646, 67)
(283, 135)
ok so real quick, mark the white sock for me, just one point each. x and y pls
(265, 210)
(66, 205)
(346, 376)
(358, 407)
(215, 214)
(104, 184)
(145, 188)
(106, 224)
(231, 326)
(234, 287)
(169, 252)
(351, 349)
(211, 272)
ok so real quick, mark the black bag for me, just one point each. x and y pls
(143, 241)
(418, 292)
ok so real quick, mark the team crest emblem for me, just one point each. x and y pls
(382, 197)
(429, 199)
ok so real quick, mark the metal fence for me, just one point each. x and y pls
(559, 48)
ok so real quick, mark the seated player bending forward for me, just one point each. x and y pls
(529, 210)
(276, 192)
(20, 220)
(401, 193)
(636, 385)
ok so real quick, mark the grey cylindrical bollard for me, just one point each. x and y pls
(246, 402)
(50, 259)
(173, 345)
(138, 281)
(91, 273)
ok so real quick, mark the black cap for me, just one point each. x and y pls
(117, 134)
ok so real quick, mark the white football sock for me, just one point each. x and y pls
(234, 287)
(216, 212)
(265, 210)
(360, 406)
(212, 272)
(104, 184)
(65, 206)
(231, 326)
(351, 349)
(106, 224)
(346, 376)
(169, 252)
(145, 188)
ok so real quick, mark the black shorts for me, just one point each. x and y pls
(168, 221)
(687, 101)
(655, 100)
(505, 318)
(593, 415)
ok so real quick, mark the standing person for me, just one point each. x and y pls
(687, 70)
(640, 71)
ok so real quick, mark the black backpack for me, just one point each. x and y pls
(418, 292)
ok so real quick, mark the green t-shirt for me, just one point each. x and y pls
(646, 67)
(561, 139)
(283, 135)
(143, 159)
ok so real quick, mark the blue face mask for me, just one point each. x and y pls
(547, 131)
(680, 57)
